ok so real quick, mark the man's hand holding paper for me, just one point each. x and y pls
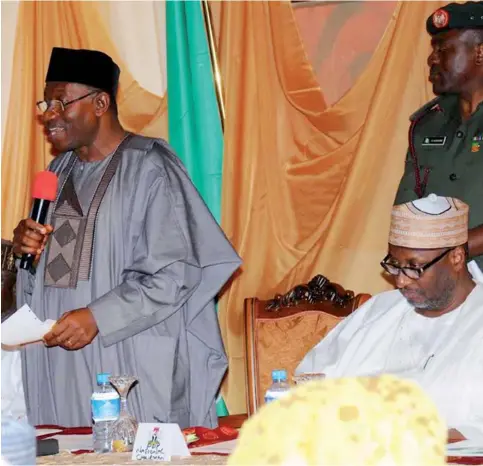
(74, 330)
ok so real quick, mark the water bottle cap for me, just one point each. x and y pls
(103, 377)
(279, 375)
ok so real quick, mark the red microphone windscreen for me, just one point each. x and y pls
(45, 186)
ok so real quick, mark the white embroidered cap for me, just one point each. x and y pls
(432, 222)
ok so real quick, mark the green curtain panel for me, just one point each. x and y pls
(195, 130)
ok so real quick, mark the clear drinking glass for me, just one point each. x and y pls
(124, 429)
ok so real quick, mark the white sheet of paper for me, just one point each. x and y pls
(75, 442)
(24, 327)
(465, 448)
(224, 448)
(159, 442)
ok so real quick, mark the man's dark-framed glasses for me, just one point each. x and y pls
(57, 105)
(414, 273)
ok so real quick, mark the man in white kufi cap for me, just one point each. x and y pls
(431, 328)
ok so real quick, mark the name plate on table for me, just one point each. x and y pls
(159, 442)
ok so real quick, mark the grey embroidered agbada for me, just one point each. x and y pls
(158, 261)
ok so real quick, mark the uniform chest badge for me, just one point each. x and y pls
(476, 143)
(434, 141)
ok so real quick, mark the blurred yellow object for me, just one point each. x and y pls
(364, 421)
(118, 446)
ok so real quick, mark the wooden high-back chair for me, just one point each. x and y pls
(281, 331)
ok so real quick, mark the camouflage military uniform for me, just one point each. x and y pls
(449, 155)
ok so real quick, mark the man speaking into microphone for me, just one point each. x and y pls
(128, 263)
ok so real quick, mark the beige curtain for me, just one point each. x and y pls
(308, 189)
(41, 26)
(9, 27)
(138, 31)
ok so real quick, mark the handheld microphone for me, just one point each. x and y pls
(44, 191)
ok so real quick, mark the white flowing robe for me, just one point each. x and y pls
(13, 399)
(444, 354)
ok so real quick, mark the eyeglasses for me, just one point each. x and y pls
(57, 105)
(414, 273)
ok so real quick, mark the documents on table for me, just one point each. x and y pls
(465, 448)
(221, 448)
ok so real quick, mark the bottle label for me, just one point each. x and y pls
(269, 398)
(105, 406)
(272, 395)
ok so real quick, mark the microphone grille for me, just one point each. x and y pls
(45, 186)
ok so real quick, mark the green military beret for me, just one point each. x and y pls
(467, 15)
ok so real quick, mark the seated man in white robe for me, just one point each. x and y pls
(13, 399)
(431, 328)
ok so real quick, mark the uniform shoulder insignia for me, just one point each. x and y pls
(426, 108)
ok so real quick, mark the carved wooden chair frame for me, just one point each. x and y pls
(319, 294)
(9, 277)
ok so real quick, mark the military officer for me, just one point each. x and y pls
(445, 153)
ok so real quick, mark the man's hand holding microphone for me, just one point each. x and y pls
(31, 234)
(74, 329)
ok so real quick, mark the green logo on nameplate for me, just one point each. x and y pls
(159, 442)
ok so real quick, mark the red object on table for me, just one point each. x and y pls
(211, 436)
(468, 460)
(63, 431)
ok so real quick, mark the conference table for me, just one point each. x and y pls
(212, 447)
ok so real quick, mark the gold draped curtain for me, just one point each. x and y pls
(41, 26)
(308, 189)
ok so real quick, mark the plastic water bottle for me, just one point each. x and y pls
(106, 407)
(279, 387)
